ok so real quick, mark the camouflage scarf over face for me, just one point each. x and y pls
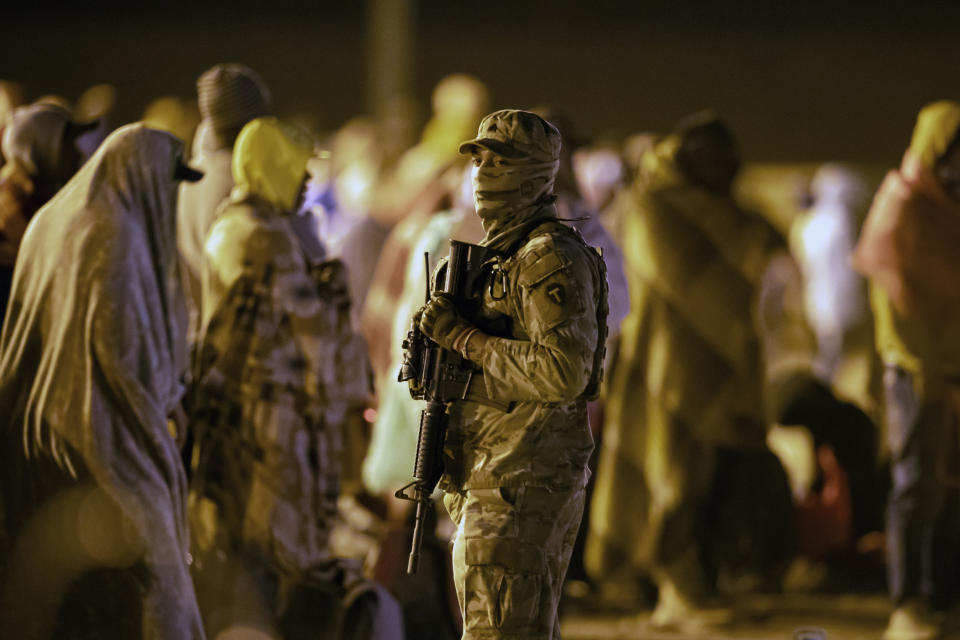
(509, 196)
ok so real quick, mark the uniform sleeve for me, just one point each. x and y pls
(556, 304)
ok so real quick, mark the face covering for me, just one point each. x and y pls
(507, 196)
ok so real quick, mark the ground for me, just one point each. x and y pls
(787, 617)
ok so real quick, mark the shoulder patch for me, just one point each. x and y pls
(556, 293)
(552, 294)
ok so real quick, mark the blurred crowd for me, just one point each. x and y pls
(203, 315)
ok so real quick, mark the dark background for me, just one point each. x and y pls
(799, 81)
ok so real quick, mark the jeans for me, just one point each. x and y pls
(923, 527)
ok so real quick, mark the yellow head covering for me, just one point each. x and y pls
(270, 161)
(936, 128)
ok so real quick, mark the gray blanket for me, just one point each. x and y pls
(91, 354)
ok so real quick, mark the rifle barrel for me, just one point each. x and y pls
(426, 271)
(423, 503)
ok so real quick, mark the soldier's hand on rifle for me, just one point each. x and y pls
(440, 322)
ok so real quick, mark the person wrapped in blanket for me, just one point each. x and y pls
(94, 537)
(276, 369)
(908, 250)
(40, 152)
(715, 349)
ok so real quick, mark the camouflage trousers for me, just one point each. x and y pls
(510, 556)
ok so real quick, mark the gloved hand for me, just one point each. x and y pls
(440, 322)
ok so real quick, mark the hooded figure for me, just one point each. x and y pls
(229, 96)
(89, 373)
(908, 249)
(40, 148)
(277, 368)
(822, 238)
(710, 330)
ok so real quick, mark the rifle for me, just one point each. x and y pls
(438, 376)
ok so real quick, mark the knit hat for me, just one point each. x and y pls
(231, 95)
(514, 133)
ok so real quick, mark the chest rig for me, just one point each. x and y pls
(493, 310)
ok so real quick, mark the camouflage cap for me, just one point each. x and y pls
(514, 133)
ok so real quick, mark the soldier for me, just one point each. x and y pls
(516, 451)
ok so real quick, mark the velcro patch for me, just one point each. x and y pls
(541, 267)
(554, 301)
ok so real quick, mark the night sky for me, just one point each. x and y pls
(799, 81)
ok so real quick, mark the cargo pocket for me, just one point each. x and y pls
(504, 578)
(490, 513)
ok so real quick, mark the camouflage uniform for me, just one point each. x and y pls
(516, 450)
(277, 366)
